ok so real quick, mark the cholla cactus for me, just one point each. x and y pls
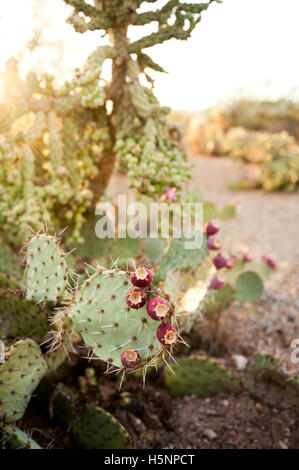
(58, 148)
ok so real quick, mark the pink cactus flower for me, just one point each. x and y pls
(170, 194)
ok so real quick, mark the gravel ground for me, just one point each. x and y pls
(266, 223)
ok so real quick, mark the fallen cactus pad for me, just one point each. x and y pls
(200, 376)
(268, 382)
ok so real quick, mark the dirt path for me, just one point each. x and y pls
(267, 223)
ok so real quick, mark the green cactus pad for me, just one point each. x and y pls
(228, 212)
(249, 287)
(218, 301)
(200, 376)
(179, 257)
(22, 370)
(154, 249)
(209, 211)
(268, 382)
(91, 246)
(124, 249)
(98, 429)
(14, 438)
(101, 315)
(20, 317)
(46, 270)
(8, 262)
(7, 281)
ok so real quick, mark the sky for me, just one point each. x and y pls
(241, 48)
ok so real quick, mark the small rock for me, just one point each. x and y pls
(210, 434)
(283, 445)
(225, 403)
(296, 303)
(239, 361)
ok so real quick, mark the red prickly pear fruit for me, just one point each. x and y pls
(142, 277)
(247, 258)
(217, 282)
(213, 243)
(212, 227)
(270, 262)
(158, 308)
(130, 358)
(220, 261)
(136, 298)
(167, 334)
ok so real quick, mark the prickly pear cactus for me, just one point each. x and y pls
(8, 282)
(267, 381)
(249, 287)
(200, 376)
(8, 262)
(98, 429)
(14, 438)
(22, 370)
(107, 325)
(154, 249)
(20, 317)
(46, 270)
(179, 257)
(219, 300)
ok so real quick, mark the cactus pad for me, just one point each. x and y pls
(267, 381)
(8, 262)
(200, 376)
(20, 317)
(23, 368)
(46, 270)
(179, 257)
(7, 281)
(218, 301)
(100, 313)
(14, 438)
(154, 249)
(249, 287)
(98, 429)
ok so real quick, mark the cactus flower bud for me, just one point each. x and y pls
(270, 262)
(142, 277)
(220, 261)
(217, 282)
(158, 308)
(213, 243)
(212, 227)
(167, 334)
(130, 358)
(136, 298)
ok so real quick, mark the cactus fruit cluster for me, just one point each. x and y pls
(114, 321)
